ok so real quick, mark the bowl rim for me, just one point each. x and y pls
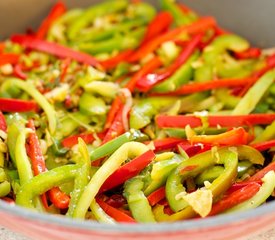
(179, 226)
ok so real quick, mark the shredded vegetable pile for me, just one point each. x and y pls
(122, 113)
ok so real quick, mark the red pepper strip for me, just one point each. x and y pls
(116, 105)
(192, 150)
(184, 8)
(73, 140)
(116, 201)
(181, 121)
(17, 105)
(166, 143)
(239, 185)
(58, 198)
(259, 175)
(116, 214)
(147, 68)
(237, 197)
(156, 196)
(236, 136)
(199, 26)
(64, 68)
(117, 127)
(9, 58)
(196, 87)
(150, 80)
(128, 171)
(57, 11)
(158, 25)
(249, 53)
(17, 72)
(36, 156)
(114, 61)
(55, 49)
(8, 200)
(264, 145)
(3, 123)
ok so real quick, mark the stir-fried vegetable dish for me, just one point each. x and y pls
(122, 113)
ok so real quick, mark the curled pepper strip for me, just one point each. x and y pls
(17, 105)
(131, 149)
(44, 182)
(53, 49)
(8, 58)
(40, 99)
(195, 165)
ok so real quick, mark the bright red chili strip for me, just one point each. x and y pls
(55, 49)
(9, 58)
(264, 145)
(57, 11)
(116, 214)
(128, 171)
(156, 196)
(17, 105)
(181, 121)
(150, 80)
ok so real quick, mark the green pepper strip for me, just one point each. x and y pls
(254, 95)
(44, 182)
(227, 157)
(160, 172)
(200, 163)
(180, 77)
(130, 149)
(213, 52)
(82, 178)
(99, 213)
(267, 134)
(260, 197)
(179, 17)
(40, 99)
(118, 42)
(137, 201)
(15, 126)
(94, 12)
(111, 146)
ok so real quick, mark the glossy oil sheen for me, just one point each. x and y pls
(252, 19)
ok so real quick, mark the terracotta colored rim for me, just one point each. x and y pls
(16, 211)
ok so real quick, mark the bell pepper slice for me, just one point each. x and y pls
(156, 196)
(147, 68)
(17, 105)
(114, 61)
(263, 146)
(249, 53)
(199, 26)
(116, 214)
(73, 140)
(55, 49)
(9, 58)
(116, 105)
(235, 198)
(166, 143)
(57, 11)
(57, 197)
(157, 26)
(236, 136)
(127, 171)
(130, 149)
(196, 87)
(181, 121)
(18, 72)
(150, 80)
(259, 175)
(3, 123)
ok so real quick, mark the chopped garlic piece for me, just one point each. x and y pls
(58, 94)
(6, 69)
(181, 195)
(200, 201)
(189, 132)
(207, 184)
